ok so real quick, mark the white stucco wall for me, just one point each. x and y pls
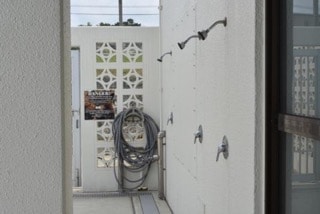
(34, 61)
(219, 84)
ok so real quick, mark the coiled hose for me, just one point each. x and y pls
(137, 159)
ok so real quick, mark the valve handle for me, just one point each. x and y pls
(223, 148)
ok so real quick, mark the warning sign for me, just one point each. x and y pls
(99, 104)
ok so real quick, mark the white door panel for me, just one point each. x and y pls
(123, 60)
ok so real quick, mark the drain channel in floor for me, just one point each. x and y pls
(148, 204)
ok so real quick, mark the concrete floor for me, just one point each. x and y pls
(117, 204)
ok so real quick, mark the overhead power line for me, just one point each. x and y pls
(116, 6)
(116, 14)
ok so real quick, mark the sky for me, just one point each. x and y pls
(84, 11)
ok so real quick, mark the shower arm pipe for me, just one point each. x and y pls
(203, 34)
(182, 44)
(224, 22)
(190, 37)
(169, 52)
(161, 57)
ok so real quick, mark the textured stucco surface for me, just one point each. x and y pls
(217, 83)
(31, 112)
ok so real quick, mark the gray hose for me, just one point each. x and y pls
(138, 159)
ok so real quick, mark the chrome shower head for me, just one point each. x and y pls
(183, 44)
(161, 57)
(203, 34)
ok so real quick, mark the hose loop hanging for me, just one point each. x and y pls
(134, 159)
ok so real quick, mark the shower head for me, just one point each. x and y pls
(183, 44)
(161, 57)
(203, 34)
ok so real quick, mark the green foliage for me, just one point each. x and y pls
(88, 24)
(129, 22)
(104, 24)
